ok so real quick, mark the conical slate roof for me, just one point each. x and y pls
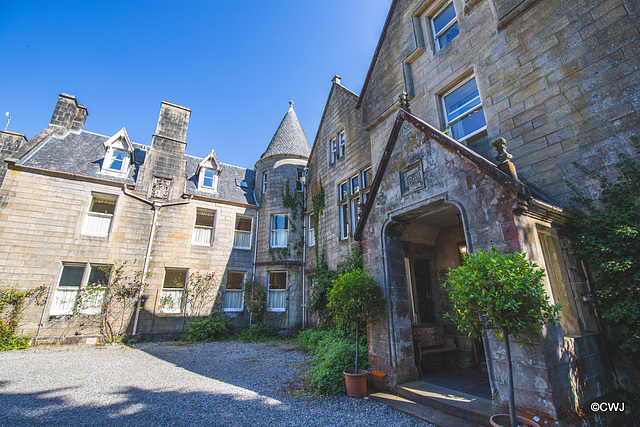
(289, 138)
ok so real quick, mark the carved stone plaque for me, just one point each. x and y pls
(411, 179)
(160, 188)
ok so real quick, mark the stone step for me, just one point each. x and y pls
(424, 413)
(471, 408)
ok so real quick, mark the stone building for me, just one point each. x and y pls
(554, 80)
(74, 203)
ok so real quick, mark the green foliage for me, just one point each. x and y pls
(12, 303)
(201, 293)
(259, 333)
(293, 201)
(354, 260)
(355, 298)
(497, 292)
(333, 353)
(606, 234)
(255, 301)
(208, 328)
(317, 199)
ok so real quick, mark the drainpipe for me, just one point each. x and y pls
(255, 247)
(304, 248)
(156, 208)
(44, 309)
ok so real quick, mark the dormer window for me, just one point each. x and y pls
(118, 155)
(208, 172)
(118, 158)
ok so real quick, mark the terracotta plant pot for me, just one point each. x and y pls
(356, 383)
(505, 417)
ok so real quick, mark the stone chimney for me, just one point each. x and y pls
(68, 114)
(173, 121)
(9, 143)
(162, 176)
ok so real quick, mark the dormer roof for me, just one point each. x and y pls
(122, 137)
(289, 139)
(210, 161)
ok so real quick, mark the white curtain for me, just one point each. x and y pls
(242, 239)
(97, 224)
(64, 301)
(277, 300)
(172, 301)
(202, 235)
(279, 238)
(233, 300)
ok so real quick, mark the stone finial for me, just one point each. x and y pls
(336, 79)
(291, 104)
(404, 101)
(505, 165)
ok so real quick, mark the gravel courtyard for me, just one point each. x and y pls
(220, 383)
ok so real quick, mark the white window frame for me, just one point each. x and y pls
(96, 223)
(214, 180)
(343, 210)
(312, 235)
(299, 179)
(64, 294)
(333, 150)
(465, 114)
(237, 232)
(272, 292)
(174, 291)
(436, 35)
(264, 182)
(341, 143)
(272, 238)
(235, 292)
(203, 230)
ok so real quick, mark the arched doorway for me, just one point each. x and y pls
(421, 245)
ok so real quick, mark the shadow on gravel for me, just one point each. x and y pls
(133, 406)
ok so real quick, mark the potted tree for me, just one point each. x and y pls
(503, 294)
(355, 298)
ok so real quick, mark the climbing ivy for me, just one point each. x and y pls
(317, 199)
(606, 233)
(293, 201)
(12, 302)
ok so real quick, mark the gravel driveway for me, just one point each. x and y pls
(220, 383)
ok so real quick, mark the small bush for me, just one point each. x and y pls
(207, 329)
(334, 352)
(259, 333)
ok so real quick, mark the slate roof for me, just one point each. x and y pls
(289, 138)
(81, 153)
(228, 182)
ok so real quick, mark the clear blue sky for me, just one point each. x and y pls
(234, 64)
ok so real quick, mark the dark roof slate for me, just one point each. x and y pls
(289, 138)
(82, 153)
(228, 182)
(79, 153)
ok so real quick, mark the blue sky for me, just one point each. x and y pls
(234, 64)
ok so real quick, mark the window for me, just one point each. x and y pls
(341, 143)
(299, 180)
(353, 185)
(342, 191)
(279, 231)
(444, 26)
(277, 296)
(118, 158)
(312, 234)
(333, 150)
(203, 229)
(70, 288)
(209, 176)
(99, 216)
(366, 178)
(173, 286)
(233, 294)
(343, 210)
(264, 182)
(242, 236)
(463, 111)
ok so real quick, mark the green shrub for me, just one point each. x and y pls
(333, 354)
(259, 332)
(207, 329)
(309, 338)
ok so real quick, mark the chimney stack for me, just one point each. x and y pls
(68, 114)
(173, 121)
